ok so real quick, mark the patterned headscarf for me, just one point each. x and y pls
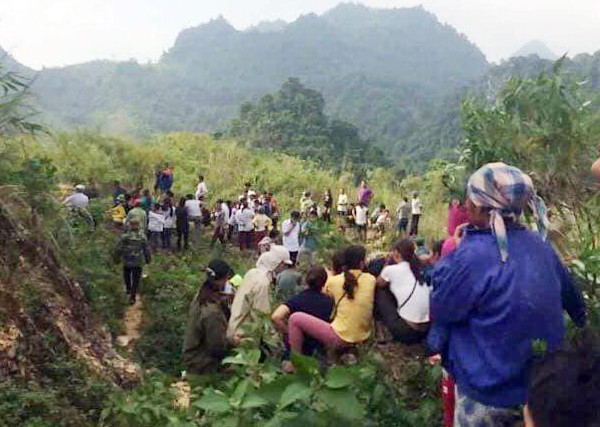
(506, 190)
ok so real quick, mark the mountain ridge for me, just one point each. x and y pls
(381, 69)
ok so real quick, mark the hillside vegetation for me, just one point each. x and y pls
(383, 70)
(62, 301)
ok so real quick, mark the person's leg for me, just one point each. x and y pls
(403, 226)
(386, 310)
(179, 238)
(412, 225)
(241, 239)
(294, 257)
(197, 232)
(136, 275)
(301, 324)
(127, 279)
(470, 413)
(417, 218)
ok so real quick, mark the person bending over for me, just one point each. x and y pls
(206, 343)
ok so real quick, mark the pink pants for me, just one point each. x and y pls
(301, 324)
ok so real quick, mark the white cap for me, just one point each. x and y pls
(80, 187)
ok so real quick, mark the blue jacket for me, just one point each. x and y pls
(487, 314)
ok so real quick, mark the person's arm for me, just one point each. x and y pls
(287, 227)
(147, 253)
(269, 224)
(255, 222)
(454, 294)
(596, 168)
(572, 298)
(383, 279)
(279, 317)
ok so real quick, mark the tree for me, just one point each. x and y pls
(293, 120)
(15, 113)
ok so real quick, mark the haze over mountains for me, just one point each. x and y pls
(398, 74)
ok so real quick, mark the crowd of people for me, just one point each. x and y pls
(480, 301)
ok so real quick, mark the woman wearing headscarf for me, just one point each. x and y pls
(499, 295)
(206, 342)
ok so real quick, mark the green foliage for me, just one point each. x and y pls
(15, 112)
(293, 120)
(389, 72)
(549, 127)
(257, 393)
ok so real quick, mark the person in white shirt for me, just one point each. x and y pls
(194, 211)
(361, 216)
(342, 203)
(243, 219)
(201, 188)
(156, 225)
(415, 214)
(290, 229)
(77, 200)
(402, 297)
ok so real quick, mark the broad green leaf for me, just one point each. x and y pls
(213, 402)
(253, 400)
(272, 391)
(305, 365)
(229, 421)
(343, 402)
(339, 377)
(293, 393)
(240, 391)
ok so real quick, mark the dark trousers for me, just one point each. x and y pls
(294, 257)
(245, 239)
(132, 276)
(403, 225)
(219, 235)
(386, 311)
(155, 239)
(414, 225)
(166, 238)
(183, 236)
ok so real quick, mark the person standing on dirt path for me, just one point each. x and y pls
(502, 281)
(182, 224)
(206, 343)
(201, 188)
(365, 194)
(193, 207)
(403, 212)
(416, 207)
(132, 250)
(291, 234)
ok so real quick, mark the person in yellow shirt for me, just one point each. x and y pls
(262, 225)
(353, 292)
(118, 213)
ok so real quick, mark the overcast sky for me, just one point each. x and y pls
(60, 32)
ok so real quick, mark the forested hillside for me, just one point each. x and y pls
(384, 71)
(398, 75)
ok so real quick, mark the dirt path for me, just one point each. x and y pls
(132, 323)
